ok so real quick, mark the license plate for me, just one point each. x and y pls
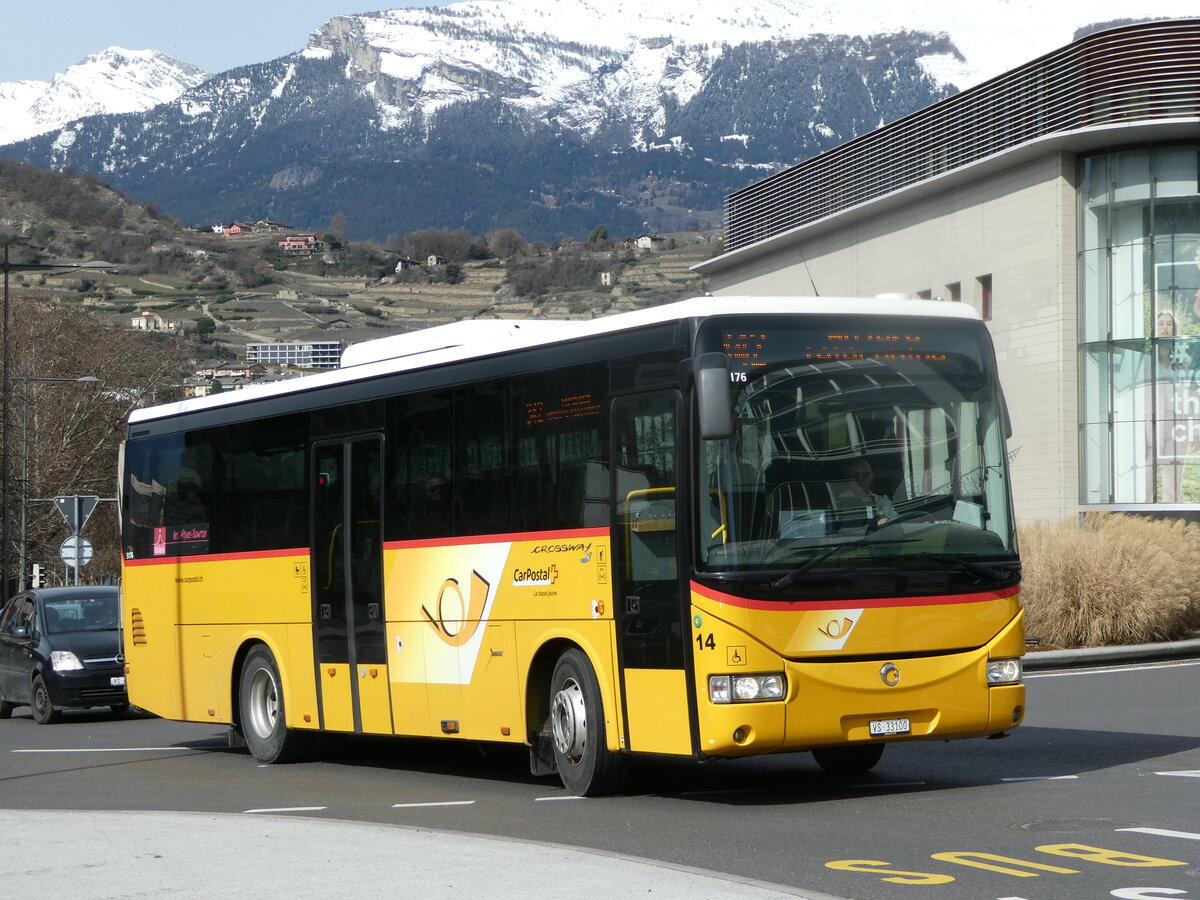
(890, 726)
(119, 681)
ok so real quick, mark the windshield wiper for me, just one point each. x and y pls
(793, 576)
(978, 569)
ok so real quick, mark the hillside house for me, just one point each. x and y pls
(299, 244)
(248, 371)
(650, 242)
(152, 321)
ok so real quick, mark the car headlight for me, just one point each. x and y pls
(64, 661)
(1004, 671)
(746, 688)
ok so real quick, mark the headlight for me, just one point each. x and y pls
(1004, 671)
(64, 661)
(746, 688)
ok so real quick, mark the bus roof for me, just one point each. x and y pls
(474, 339)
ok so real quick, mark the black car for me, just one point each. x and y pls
(60, 648)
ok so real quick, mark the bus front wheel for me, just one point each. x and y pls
(848, 760)
(264, 725)
(585, 764)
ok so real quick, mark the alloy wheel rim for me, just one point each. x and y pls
(568, 721)
(264, 703)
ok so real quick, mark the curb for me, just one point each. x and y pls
(1090, 656)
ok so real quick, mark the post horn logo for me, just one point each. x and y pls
(836, 629)
(890, 675)
(455, 619)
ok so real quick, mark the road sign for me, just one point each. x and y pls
(76, 551)
(76, 509)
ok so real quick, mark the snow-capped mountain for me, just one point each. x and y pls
(113, 81)
(552, 116)
(619, 49)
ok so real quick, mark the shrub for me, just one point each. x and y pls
(1111, 579)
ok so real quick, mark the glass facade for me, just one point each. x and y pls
(1139, 277)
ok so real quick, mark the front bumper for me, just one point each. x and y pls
(91, 686)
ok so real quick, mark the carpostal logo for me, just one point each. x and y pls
(535, 577)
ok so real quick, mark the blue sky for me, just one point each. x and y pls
(42, 37)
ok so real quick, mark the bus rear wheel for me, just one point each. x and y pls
(585, 764)
(263, 719)
(852, 760)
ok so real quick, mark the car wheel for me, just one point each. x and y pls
(6, 709)
(848, 760)
(44, 712)
(585, 764)
(263, 719)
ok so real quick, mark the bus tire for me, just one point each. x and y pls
(585, 764)
(853, 760)
(263, 718)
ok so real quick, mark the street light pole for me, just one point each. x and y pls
(26, 380)
(5, 368)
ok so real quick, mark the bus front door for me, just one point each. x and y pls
(349, 630)
(648, 599)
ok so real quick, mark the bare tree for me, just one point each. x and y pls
(453, 246)
(506, 243)
(337, 225)
(64, 436)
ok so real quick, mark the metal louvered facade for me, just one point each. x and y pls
(1142, 73)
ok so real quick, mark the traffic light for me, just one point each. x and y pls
(37, 575)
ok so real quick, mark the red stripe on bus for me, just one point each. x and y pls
(216, 557)
(513, 538)
(875, 603)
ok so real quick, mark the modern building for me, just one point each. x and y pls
(306, 355)
(1062, 200)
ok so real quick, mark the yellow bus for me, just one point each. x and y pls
(723, 527)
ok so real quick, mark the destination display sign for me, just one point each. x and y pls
(758, 349)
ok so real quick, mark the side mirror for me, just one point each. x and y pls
(21, 631)
(714, 400)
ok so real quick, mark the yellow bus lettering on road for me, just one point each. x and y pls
(970, 858)
(1107, 857)
(895, 876)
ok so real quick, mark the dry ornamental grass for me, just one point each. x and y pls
(1110, 580)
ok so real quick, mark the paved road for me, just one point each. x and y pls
(1109, 760)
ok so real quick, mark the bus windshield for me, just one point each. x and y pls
(868, 458)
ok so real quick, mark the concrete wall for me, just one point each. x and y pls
(1018, 226)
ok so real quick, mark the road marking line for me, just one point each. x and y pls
(563, 797)
(283, 809)
(1043, 778)
(437, 803)
(109, 750)
(1183, 773)
(1164, 832)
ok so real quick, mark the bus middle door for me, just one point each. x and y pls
(349, 629)
(648, 594)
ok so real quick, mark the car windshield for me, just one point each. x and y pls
(867, 460)
(80, 612)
